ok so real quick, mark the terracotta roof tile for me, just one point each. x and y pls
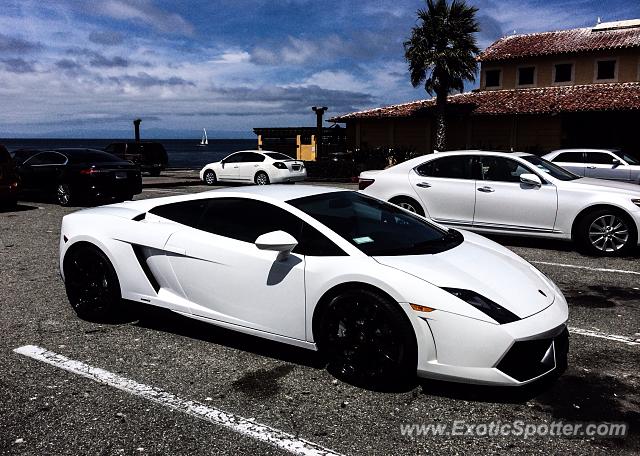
(561, 42)
(543, 100)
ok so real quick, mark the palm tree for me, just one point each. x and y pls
(442, 53)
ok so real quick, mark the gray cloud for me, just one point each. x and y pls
(106, 38)
(288, 100)
(13, 45)
(68, 65)
(143, 80)
(97, 59)
(325, 50)
(145, 12)
(18, 65)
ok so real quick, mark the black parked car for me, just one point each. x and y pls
(75, 175)
(9, 182)
(150, 156)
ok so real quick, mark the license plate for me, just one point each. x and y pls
(296, 167)
(121, 175)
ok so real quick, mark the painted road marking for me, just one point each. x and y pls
(601, 335)
(154, 190)
(230, 421)
(574, 266)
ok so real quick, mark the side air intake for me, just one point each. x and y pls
(138, 251)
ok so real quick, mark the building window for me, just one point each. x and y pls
(606, 70)
(563, 72)
(492, 78)
(526, 76)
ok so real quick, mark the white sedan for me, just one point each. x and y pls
(382, 292)
(254, 166)
(513, 193)
(610, 164)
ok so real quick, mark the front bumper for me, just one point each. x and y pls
(462, 349)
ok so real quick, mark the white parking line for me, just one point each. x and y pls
(155, 190)
(235, 423)
(601, 335)
(575, 266)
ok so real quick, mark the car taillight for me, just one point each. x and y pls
(90, 171)
(280, 165)
(364, 183)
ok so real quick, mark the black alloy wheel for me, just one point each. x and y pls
(210, 177)
(91, 283)
(64, 195)
(367, 339)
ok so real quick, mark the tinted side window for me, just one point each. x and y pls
(4, 155)
(187, 212)
(312, 242)
(600, 158)
(501, 169)
(47, 158)
(234, 158)
(572, 157)
(245, 219)
(252, 157)
(453, 167)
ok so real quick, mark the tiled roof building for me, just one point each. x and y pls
(541, 91)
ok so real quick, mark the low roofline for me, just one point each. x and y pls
(619, 96)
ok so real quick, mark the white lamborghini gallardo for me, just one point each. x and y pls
(383, 292)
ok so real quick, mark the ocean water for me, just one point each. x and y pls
(183, 153)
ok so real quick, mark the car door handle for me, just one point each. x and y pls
(486, 190)
(591, 167)
(175, 249)
(423, 184)
(236, 166)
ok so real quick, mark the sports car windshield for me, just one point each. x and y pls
(550, 169)
(375, 227)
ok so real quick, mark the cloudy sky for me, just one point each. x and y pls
(74, 68)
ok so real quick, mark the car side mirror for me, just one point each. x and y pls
(222, 163)
(278, 241)
(530, 179)
(616, 162)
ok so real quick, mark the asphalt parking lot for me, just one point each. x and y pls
(48, 410)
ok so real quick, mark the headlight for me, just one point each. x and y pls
(636, 201)
(485, 305)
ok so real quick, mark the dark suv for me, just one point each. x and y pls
(9, 182)
(149, 156)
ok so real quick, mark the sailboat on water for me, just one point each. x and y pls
(204, 141)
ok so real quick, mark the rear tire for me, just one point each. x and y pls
(606, 232)
(408, 203)
(209, 177)
(64, 195)
(367, 339)
(261, 178)
(91, 283)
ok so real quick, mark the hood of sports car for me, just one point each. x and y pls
(482, 266)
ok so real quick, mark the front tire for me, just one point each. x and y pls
(409, 204)
(606, 232)
(367, 339)
(209, 177)
(91, 283)
(262, 178)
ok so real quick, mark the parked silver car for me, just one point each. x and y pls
(599, 163)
